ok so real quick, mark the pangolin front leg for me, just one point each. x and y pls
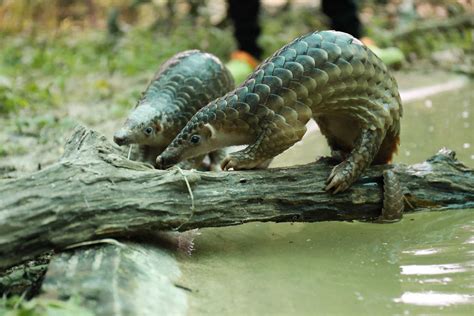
(365, 149)
(270, 142)
(251, 157)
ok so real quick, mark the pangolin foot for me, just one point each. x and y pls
(340, 178)
(238, 162)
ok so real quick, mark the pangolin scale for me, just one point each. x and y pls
(182, 85)
(327, 76)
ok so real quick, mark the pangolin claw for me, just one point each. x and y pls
(339, 179)
(238, 161)
(229, 163)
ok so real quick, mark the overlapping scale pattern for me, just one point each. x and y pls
(183, 85)
(328, 76)
(316, 74)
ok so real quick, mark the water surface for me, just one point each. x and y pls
(421, 265)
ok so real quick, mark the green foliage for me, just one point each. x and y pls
(31, 95)
(9, 101)
(287, 25)
(46, 71)
(16, 306)
(8, 149)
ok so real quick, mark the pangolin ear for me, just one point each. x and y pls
(209, 131)
(157, 127)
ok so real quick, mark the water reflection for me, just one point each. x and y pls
(441, 121)
(439, 276)
(435, 299)
(374, 269)
(432, 269)
(422, 252)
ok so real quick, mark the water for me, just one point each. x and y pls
(335, 268)
(421, 265)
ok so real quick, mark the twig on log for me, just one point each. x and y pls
(95, 192)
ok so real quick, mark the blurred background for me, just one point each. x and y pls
(69, 62)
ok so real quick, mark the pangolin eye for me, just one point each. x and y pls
(148, 130)
(195, 139)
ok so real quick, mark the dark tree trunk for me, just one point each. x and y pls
(95, 192)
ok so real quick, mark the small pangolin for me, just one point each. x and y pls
(328, 76)
(183, 84)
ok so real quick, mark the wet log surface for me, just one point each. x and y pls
(95, 192)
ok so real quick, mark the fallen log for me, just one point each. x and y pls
(114, 278)
(95, 192)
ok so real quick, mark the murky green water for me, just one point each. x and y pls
(421, 265)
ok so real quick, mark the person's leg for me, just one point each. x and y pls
(343, 15)
(244, 14)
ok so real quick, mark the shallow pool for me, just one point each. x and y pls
(421, 265)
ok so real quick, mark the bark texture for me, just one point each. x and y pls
(114, 278)
(95, 192)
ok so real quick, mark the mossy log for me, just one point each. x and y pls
(95, 192)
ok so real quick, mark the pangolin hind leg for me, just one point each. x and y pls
(271, 142)
(365, 148)
(340, 145)
(388, 148)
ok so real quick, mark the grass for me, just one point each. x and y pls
(46, 71)
(51, 69)
(17, 306)
(51, 82)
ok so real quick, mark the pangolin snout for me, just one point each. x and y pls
(165, 161)
(121, 138)
(160, 162)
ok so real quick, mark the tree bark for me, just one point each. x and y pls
(114, 278)
(95, 192)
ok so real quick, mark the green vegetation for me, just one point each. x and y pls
(38, 72)
(17, 306)
(67, 66)
(64, 57)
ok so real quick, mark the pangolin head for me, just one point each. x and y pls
(144, 126)
(195, 139)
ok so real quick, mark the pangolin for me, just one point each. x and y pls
(183, 84)
(327, 76)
